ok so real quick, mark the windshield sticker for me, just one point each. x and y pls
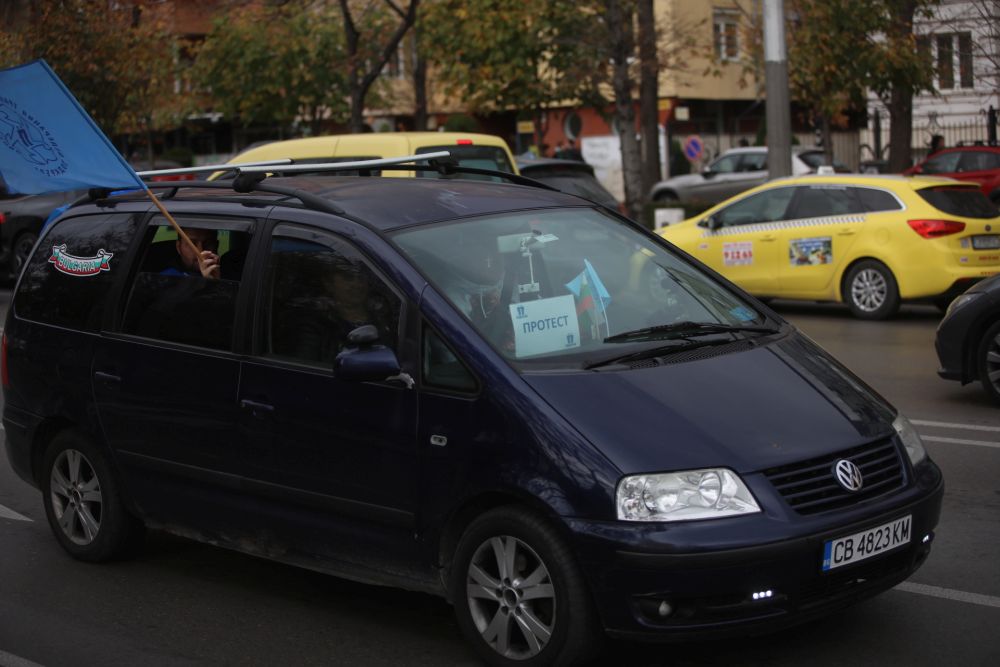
(739, 253)
(546, 325)
(807, 252)
(80, 266)
(743, 314)
(592, 299)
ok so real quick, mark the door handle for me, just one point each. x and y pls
(255, 408)
(107, 378)
(768, 237)
(845, 232)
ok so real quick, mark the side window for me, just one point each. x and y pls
(821, 201)
(946, 163)
(975, 161)
(441, 368)
(317, 289)
(726, 164)
(877, 200)
(171, 298)
(769, 206)
(67, 280)
(753, 162)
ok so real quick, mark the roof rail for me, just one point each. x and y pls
(342, 166)
(211, 168)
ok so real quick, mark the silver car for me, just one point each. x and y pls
(734, 171)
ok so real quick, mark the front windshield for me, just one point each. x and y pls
(563, 288)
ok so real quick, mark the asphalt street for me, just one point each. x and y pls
(182, 603)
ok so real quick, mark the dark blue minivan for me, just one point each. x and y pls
(494, 392)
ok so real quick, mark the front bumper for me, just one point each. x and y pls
(711, 592)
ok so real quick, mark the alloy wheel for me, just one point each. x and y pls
(76, 497)
(869, 290)
(993, 362)
(511, 597)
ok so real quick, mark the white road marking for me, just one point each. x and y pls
(970, 427)
(950, 594)
(11, 660)
(6, 513)
(959, 441)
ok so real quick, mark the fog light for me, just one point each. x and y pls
(763, 595)
(927, 538)
(664, 609)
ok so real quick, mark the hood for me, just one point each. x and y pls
(751, 410)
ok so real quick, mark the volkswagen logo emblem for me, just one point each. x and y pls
(848, 474)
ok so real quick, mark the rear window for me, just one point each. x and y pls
(477, 157)
(67, 280)
(966, 202)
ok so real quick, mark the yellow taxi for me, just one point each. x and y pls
(482, 151)
(869, 241)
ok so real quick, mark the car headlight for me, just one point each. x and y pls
(962, 300)
(683, 496)
(910, 439)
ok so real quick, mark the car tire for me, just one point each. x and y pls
(988, 361)
(83, 501)
(519, 595)
(871, 291)
(20, 252)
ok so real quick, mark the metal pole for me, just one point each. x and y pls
(779, 124)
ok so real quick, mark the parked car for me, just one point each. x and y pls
(482, 151)
(570, 176)
(979, 164)
(457, 387)
(968, 337)
(21, 220)
(734, 171)
(869, 241)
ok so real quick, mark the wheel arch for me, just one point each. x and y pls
(844, 272)
(463, 515)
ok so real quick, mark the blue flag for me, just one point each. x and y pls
(48, 143)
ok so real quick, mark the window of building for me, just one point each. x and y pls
(954, 52)
(726, 32)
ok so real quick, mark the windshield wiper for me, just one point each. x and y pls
(685, 330)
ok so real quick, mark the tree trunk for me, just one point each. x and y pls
(620, 14)
(419, 88)
(900, 103)
(900, 130)
(649, 121)
(827, 138)
(360, 83)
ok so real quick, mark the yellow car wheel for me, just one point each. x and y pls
(870, 291)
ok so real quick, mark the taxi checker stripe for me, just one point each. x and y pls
(791, 224)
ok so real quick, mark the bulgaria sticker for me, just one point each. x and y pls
(80, 266)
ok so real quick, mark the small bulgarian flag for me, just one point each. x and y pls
(592, 299)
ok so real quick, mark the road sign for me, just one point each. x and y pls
(693, 148)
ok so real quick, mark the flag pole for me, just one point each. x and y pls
(180, 232)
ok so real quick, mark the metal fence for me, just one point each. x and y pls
(954, 134)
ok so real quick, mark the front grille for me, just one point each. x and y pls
(811, 487)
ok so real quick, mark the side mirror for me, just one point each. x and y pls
(917, 169)
(372, 363)
(711, 222)
(707, 172)
(363, 336)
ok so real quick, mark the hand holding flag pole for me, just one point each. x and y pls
(49, 143)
